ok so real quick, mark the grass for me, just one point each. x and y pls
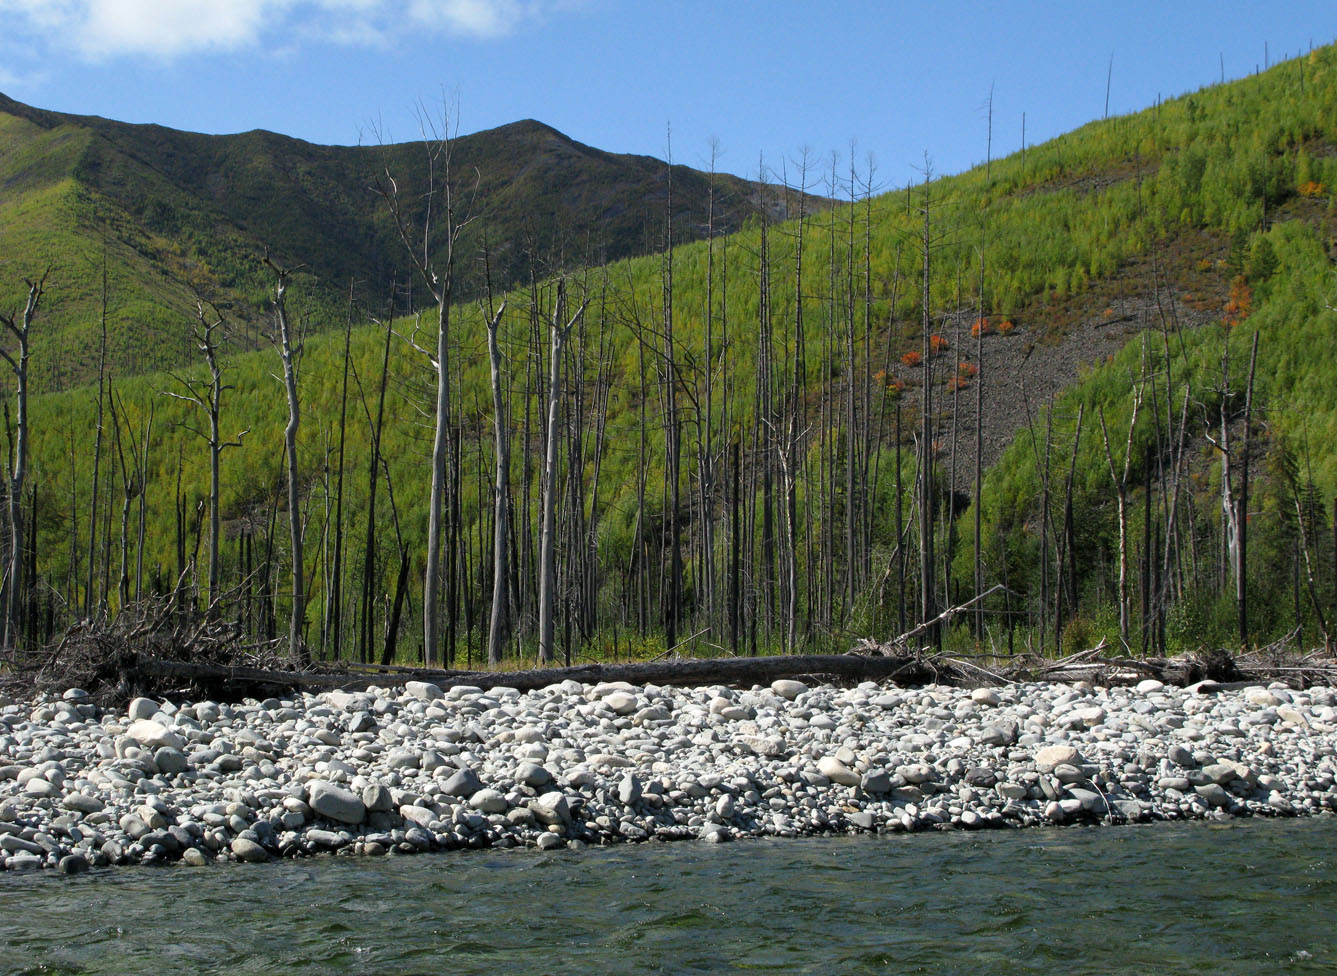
(1168, 201)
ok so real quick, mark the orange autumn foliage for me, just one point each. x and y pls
(938, 343)
(912, 358)
(891, 383)
(1239, 304)
(981, 327)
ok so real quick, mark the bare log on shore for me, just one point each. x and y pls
(722, 671)
(157, 651)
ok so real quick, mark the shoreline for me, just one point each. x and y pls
(570, 765)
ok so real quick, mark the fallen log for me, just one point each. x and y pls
(231, 682)
(721, 671)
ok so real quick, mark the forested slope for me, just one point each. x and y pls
(744, 455)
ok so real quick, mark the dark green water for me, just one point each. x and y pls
(1243, 897)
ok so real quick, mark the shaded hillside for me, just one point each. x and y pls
(178, 211)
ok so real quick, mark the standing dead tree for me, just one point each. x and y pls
(499, 624)
(1242, 576)
(1233, 514)
(334, 590)
(290, 352)
(207, 396)
(20, 328)
(132, 484)
(418, 233)
(927, 599)
(547, 538)
(1120, 481)
(93, 508)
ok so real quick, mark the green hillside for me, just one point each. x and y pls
(178, 212)
(1110, 258)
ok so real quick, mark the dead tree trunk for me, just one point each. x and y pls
(142, 463)
(334, 598)
(1230, 514)
(20, 327)
(1120, 482)
(416, 233)
(131, 485)
(1242, 569)
(927, 600)
(97, 450)
(290, 351)
(547, 540)
(208, 397)
(499, 625)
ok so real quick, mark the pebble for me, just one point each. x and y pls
(421, 768)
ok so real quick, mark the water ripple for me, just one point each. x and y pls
(1190, 898)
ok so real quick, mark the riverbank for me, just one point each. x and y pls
(418, 768)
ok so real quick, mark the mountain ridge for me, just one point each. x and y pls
(179, 213)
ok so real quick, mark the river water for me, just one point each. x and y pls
(1243, 896)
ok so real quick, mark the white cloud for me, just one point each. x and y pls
(166, 29)
(42, 15)
(480, 18)
(169, 27)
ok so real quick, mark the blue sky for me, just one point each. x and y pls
(763, 78)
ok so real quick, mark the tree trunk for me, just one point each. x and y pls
(547, 540)
(927, 600)
(334, 597)
(431, 630)
(1242, 566)
(16, 587)
(499, 625)
(289, 351)
(97, 450)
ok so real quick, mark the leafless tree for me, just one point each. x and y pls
(290, 351)
(547, 539)
(207, 396)
(19, 326)
(416, 226)
(1119, 478)
(499, 624)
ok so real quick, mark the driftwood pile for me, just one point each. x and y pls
(160, 651)
(1282, 660)
(115, 658)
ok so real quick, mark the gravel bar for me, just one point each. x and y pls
(402, 770)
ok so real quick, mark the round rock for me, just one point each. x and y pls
(1057, 755)
(154, 735)
(336, 803)
(249, 851)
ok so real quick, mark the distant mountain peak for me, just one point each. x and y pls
(179, 212)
